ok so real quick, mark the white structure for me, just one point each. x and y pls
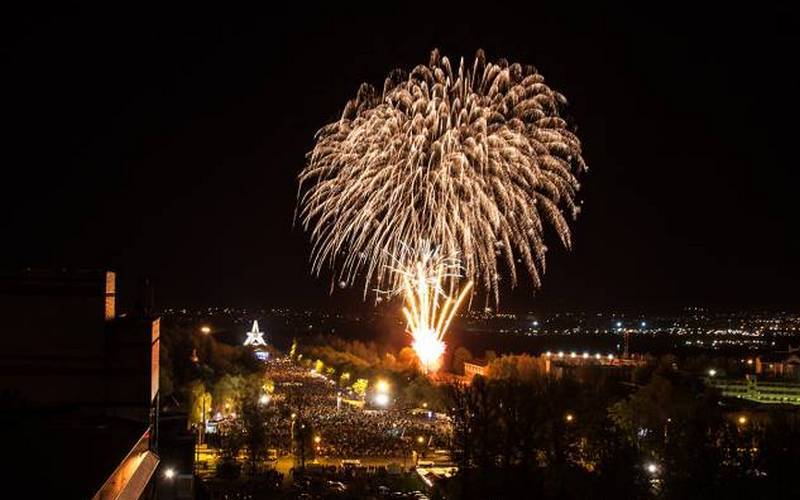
(255, 337)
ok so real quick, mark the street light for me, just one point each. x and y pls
(420, 439)
(712, 372)
(569, 417)
(651, 467)
(264, 399)
(742, 420)
(317, 439)
(381, 399)
(205, 329)
(169, 473)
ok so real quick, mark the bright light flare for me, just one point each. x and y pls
(381, 399)
(429, 308)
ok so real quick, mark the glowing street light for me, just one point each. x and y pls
(585, 355)
(264, 399)
(651, 467)
(560, 354)
(382, 386)
(712, 372)
(572, 354)
(205, 329)
(569, 417)
(169, 473)
(317, 439)
(420, 439)
(742, 420)
(294, 416)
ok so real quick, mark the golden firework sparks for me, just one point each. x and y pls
(478, 161)
(429, 308)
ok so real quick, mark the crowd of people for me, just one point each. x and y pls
(343, 429)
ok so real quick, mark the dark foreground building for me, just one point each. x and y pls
(78, 390)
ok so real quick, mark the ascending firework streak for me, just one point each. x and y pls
(477, 161)
(429, 308)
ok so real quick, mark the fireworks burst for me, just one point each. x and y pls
(429, 308)
(478, 161)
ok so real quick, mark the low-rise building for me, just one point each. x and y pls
(79, 391)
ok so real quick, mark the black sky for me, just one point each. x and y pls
(168, 143)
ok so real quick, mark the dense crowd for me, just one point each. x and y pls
(346, 430)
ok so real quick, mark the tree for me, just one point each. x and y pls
(302, 438)
(230, 443)
(360, 387)
(227, 391)
(199, 402)
(253, 417)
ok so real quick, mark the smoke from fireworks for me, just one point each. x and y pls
(477, 160)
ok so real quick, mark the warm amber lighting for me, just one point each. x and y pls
(742, 420)
(429, 309)
(205, 329)
(420, 439)
(317, 439)
(569, 417)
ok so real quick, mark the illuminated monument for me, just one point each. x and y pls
(255, 337)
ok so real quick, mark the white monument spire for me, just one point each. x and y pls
(254, 336)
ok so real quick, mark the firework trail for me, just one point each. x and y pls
(477, 160)
(429, 308)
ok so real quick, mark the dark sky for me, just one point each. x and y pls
(168, 143)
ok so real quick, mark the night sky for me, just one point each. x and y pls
(167, 144)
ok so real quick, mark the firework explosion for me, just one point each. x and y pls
(477, 161)
(429, 308)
